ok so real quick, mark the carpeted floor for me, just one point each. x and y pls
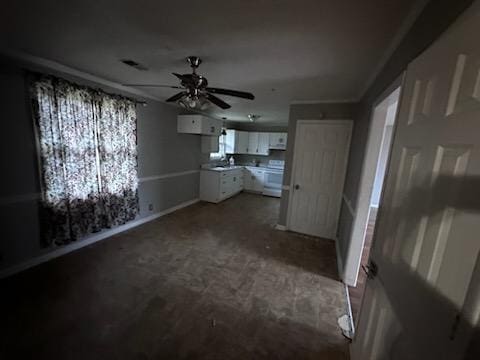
(206, 282)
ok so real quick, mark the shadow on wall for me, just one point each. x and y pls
(433, 306)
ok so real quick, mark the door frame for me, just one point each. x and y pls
(346, 122)
(361, 211)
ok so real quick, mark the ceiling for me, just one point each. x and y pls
(283, 51)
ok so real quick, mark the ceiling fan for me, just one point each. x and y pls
(196, 94)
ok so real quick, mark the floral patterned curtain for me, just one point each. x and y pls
(88, 156)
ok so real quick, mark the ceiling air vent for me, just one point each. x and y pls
(134, 64)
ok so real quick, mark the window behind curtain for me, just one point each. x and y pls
(88, 158)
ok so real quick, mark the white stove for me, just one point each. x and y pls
(274, 178)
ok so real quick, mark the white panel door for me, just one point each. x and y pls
(320, 160)
(424, 301)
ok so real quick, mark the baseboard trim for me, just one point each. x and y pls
(280, 227)
(349, 309)
(89, 240)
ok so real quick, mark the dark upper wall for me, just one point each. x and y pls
(327, 111)
(161, 150)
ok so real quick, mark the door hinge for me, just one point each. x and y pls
(371, 269)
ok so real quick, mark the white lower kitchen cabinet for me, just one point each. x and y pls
(218, 185)
(254, 179)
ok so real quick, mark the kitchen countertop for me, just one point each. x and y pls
(228, 168)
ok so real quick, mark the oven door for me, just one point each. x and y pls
(273, 183)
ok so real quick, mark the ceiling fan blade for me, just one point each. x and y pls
(184, 77)
(217, 101)
(176, 97)
(241, 94)
(153, 85)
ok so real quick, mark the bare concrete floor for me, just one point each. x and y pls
(207, 282)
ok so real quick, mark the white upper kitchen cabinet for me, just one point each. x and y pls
(278, 141)
(258, 143)
(253, 142)
(198, 124)
(263, 143)
(236, 142)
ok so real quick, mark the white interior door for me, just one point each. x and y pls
(424, 301)
(319, 165)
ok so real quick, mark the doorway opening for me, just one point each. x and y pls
(369, 199)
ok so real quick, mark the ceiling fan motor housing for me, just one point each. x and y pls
(194, 62)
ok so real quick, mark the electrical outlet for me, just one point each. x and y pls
(150, 207)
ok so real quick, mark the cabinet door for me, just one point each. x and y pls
(278, 141)
(263, 143)
(241, 180)
(253, 143)
(243, 142)
(236, 183)
(248, 179)
(211, 126)
(259, 180)
(226, 185)
(273, 139)
(230, 141)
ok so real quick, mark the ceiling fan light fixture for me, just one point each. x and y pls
(253, 117)
(194, 102)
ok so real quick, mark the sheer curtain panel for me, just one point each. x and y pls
(88, 158)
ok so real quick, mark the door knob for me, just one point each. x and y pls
(297, 187)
